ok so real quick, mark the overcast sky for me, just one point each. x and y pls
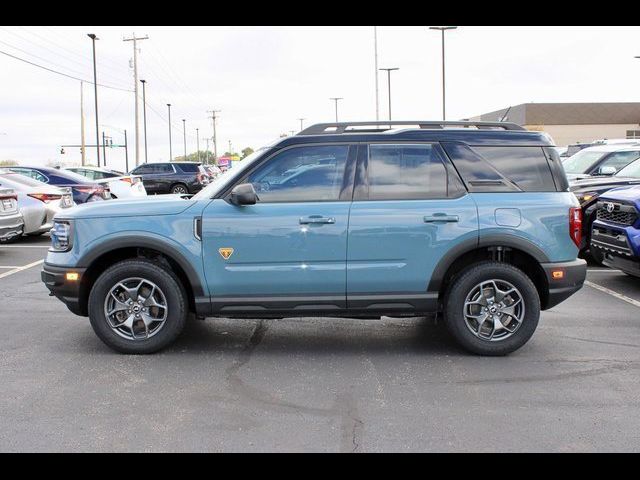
(264, 78)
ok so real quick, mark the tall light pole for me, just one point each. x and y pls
(144, 116)
(82, 142)
(184, 136)
(442, 30)
(215, 138)
(198, 142)
(93, 38)
(389, 70)
(170, 151)
(301, 122)
(336, 99)
(375, 59)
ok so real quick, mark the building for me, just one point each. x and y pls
(571, 123)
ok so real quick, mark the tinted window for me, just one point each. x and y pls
(163, 168)
(619, 160)
(31, 174)
(406, 172)
(189, 167)
(302, 174)
(527, 167)
(143, 169)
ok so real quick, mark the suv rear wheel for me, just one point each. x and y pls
(492, 308)
(137, 306)
(179, 189)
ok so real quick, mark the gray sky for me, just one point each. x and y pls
(265, 78)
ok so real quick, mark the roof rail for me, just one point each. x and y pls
(346, 127)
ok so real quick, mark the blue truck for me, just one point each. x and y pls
(472, 220)
(615, 232)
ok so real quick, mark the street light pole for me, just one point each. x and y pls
(184, 136)
(198, 142)
(170, 151)
(336, 99)
(389, 70)
(301, 122)
(93, 38)
(375, 60)
(144, 116)
(442, 30)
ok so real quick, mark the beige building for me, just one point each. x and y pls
(571, 123)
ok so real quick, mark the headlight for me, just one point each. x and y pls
(61, 236)
(586, 197)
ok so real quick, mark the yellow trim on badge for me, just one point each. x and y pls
(225, 252)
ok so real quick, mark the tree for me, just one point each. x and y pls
(246, 152)
(8, 163)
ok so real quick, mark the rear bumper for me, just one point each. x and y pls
(11, 226)
(573, 276)
(68, 292)
(624, 264)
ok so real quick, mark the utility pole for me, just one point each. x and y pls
(93, 38)
(206, 153)
(336, 99)
(126, 152)
(375, 59)
(144, 116)
(104, 152)
(184, 137)
(301, 120)
(215, 139)
(135, 40)
(82, 142)
(198, 142)
(389, 70)
(170, 152)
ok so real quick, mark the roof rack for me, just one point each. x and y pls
(347, 127)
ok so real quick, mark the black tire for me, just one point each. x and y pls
(597, 256)
(462, 285)
(7, 241)
(179, 188)
(165, 279)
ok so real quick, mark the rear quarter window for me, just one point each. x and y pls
(190, 168)
(527, 167)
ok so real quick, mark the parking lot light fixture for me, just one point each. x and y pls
(389, 70)
(442, 30)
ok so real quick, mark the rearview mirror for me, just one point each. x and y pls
(607, 170)
(243, 194)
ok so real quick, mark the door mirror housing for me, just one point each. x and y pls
(607, 170)
(243, 194)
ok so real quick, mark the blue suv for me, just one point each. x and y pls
(473, 220)
(615, 233)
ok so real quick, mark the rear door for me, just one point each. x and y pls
(409, 209)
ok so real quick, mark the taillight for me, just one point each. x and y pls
(126, 179)
(9, 197)
(87, 189)
(44, 197)
(575, 225)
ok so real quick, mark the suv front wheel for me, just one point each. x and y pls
(492, 308)
(137, 306)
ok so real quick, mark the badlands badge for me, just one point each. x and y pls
(225, 252)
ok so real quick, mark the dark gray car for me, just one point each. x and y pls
(172, 177)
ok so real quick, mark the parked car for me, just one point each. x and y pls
(120, 186)
(213, 171)
(172, 177)
(476, 223)
(11, 223)
(600, 160)
(83, 189)
(575, 148)
(38, 202)
(616, 230)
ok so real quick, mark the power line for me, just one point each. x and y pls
(63, 74)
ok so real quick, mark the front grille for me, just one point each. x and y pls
(617, 213)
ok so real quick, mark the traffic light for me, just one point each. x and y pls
(61, 150)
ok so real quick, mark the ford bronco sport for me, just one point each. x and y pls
(473, 220)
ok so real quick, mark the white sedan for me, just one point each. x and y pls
(121, 186)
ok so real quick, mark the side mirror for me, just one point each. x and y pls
(607, 170)
(243, 194)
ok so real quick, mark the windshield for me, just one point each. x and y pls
(582, 161)
(221, 180)
(631, 170)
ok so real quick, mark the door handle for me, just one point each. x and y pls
(441, 217)
(316, 219)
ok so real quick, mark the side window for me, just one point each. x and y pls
(32, 174)
(302, 174)
(142, 169)
(620, 159)
(527, 167)
(406, 172)
(164, 169)
(90, 174)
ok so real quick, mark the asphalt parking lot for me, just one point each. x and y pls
(314, 384)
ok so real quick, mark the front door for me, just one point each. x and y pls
(409, 210)
(289, 250)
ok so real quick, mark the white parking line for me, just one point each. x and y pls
(23, 246)
(10, 267)
(617, 295)
(19, 269)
